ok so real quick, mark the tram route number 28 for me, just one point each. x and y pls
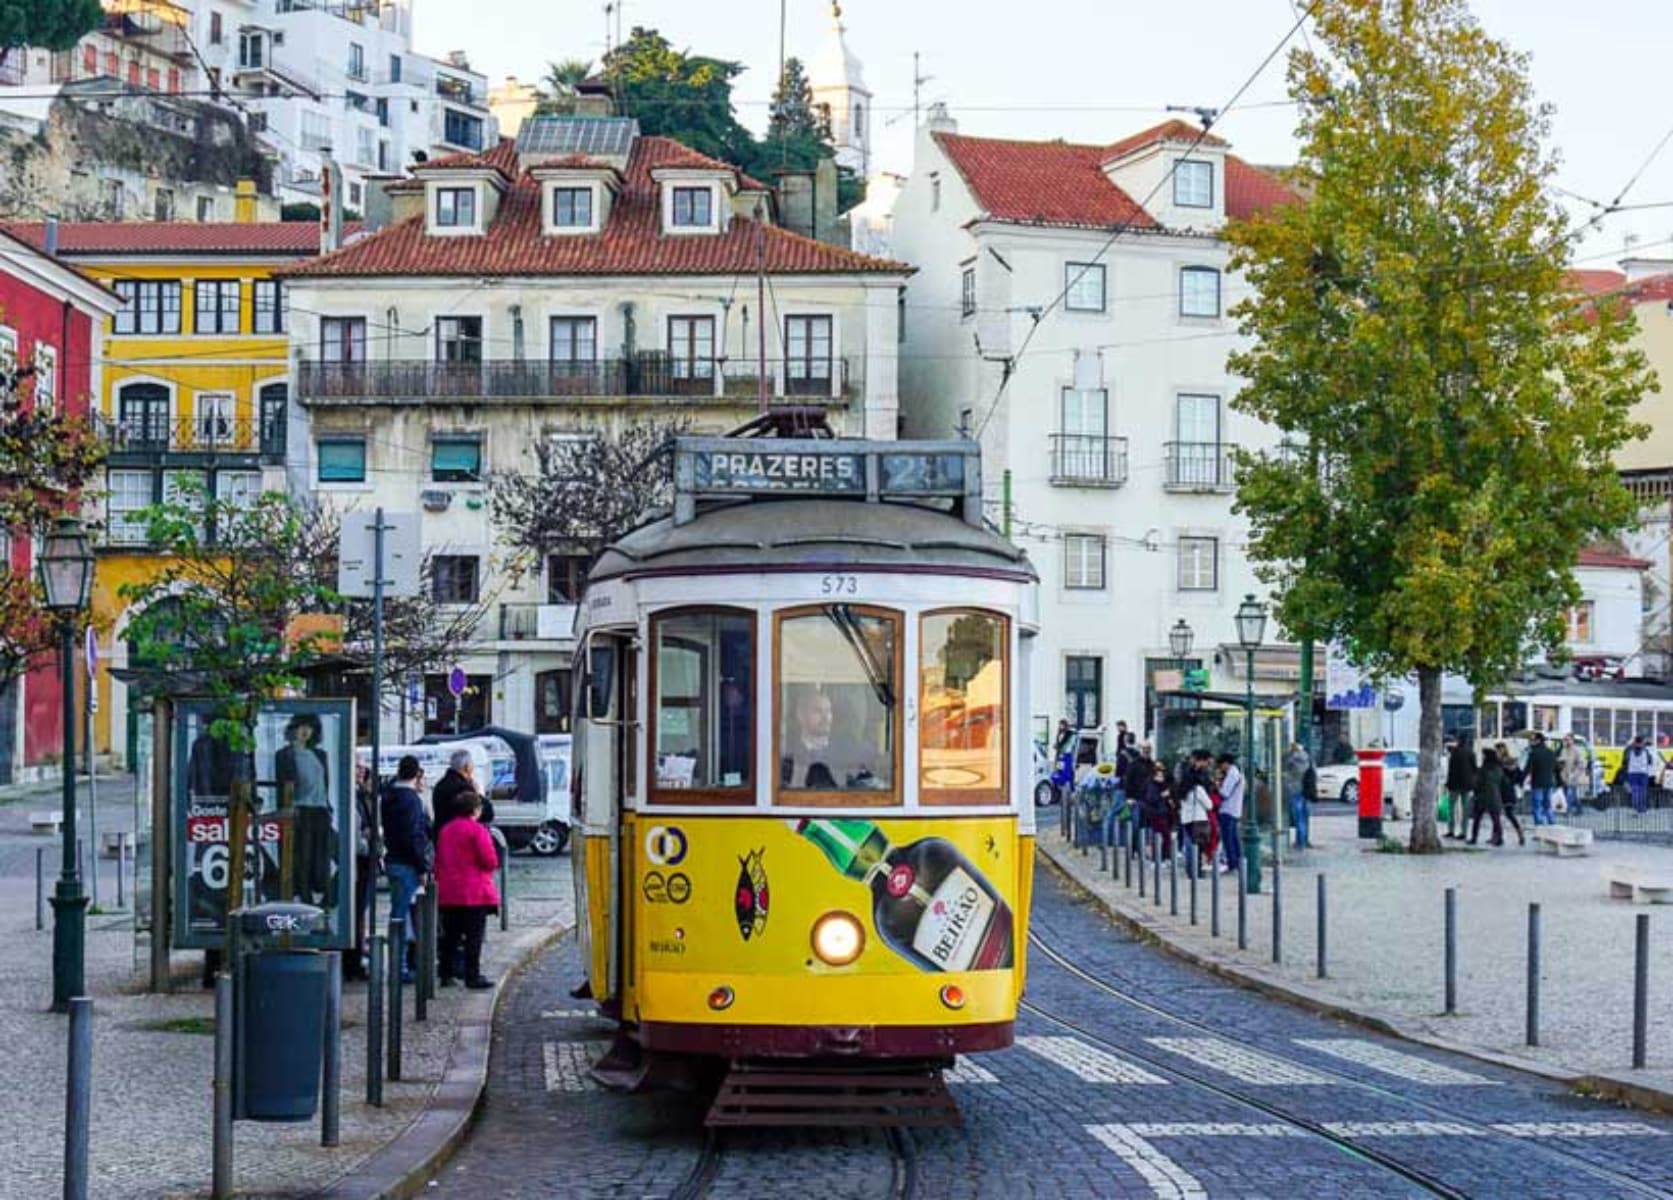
(839, 585)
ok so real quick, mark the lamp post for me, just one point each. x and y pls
(1251, 631)
(66, 569)
(1180, 638)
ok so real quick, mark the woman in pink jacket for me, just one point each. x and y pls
(465, 891)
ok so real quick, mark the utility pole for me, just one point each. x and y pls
(761, 305)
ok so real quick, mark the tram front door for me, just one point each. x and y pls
(603, 776)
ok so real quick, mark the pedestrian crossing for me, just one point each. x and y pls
(1392, 1062)
(1086, 1061)
(1240, 1062)
(568, 1065)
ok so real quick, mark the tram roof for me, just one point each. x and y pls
(807, 534)
(1569, 688)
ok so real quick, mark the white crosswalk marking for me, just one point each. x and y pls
(965, 1071)
(1214, 1129)
(1250, 1066)
(1393, 1129)
(568, 1066)
(1578, 1129)
(1392, 1062)
(1087, 1062)
(1167, 1179)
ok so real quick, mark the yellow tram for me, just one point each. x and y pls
(803, 782)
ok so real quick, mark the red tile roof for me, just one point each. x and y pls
(632, 244)
(265, 238)
(1061, 183)
(1651, 289)
(1603, 556)
(501, 158)
(1594, 282)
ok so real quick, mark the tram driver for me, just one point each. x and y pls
(818, 760)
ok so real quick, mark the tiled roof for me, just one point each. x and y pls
(266, 238)
(1651, 289)
(501, 158)
(1062, 183)
(632, 244)
(1603, 556)
(1595, 283)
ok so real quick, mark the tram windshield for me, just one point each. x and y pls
(962, 708)
(838, 705)
(705, 703)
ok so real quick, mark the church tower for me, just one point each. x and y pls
(840, 90)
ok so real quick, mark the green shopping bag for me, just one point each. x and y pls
(1443, 808)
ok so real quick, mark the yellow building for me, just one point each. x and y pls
(194, 383)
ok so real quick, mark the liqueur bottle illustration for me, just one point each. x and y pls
(930, 904)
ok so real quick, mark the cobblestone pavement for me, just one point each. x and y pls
(1386, 941)
(152, 1056)
(1177, 1085)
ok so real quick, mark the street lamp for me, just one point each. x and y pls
(1179, 638)
(1251, 631)
(66, 569)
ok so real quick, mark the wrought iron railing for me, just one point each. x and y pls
(1086, 460)
(204, 434)
(1200, 466)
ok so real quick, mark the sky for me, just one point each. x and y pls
(1094, 71)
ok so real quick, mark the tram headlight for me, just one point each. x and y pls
(952, 995)
(838, 938)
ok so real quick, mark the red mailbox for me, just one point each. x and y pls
(1370, 793)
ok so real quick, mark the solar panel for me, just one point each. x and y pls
(595, 137)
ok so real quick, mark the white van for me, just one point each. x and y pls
(433, 759)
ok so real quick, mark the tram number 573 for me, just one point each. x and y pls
(839, 585)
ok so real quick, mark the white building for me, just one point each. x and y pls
(1112, 435)
(560, 286)
(839, 90)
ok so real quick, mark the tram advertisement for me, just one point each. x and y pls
(926, 895)
(300, 840)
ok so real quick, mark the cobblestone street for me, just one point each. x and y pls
(1134, 1075)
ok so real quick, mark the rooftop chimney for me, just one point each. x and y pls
(244, 202)
(939, 120)
(331, 203)
(52, 237)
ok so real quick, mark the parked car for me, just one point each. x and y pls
(1341, 782)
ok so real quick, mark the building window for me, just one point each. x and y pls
(703, 667)
(249, 50)
(1193, 183)
(216, 306)
(149, 306)
(342, 339)
(1083, 561)
(962, 689)
(274, 417)
(456, 459)
(272, 309)
(1199, 564)
(394, 68)
(316, 131)
(693, 207)
(572, 207)
(454, 578)
(46, 377)
(1580, 623)
(357, 61)
(807, 342)
(214, 28)
(458, 339)
(456, 208)
(142, 414)
(1199, 292)
(566, 577)
(206, 209)
(214, 416)
(462, 129)
(935, 192)
(237, 490)
(130, 493)
(162, 205)
(1083, 690)
(574, 342)
(691, 345)
(153, 79)
(174, 81)
(967, 292)
(89, 59)
(1086, 412)
(838, 716)
(552, 693)
(1083, 287)
(341, 460)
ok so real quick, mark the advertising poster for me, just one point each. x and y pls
(1345, 686)
(300, 841)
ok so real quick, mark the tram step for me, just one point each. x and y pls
(802, 1095)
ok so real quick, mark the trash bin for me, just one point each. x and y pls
(280, 1021)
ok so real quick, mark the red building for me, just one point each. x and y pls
(52, 317)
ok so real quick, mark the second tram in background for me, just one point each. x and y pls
(803, 777)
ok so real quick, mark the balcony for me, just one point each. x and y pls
(1085, 460)
(537, 622)
(651, 376)
(146, 441)
(1200, 467)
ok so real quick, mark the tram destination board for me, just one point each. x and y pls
(751, 470)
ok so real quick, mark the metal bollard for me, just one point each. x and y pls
(1322, 926)
(397, 969)
(78, 1098)
(1242, 910)
(1533, 975)
(1156, 873)
(1173, 882)
(40, 887)
(221, 1183)
(121, 870)
(1195, 871)
(1277, 903)
(505, 891)
(1130, 850)
(374, 1021)
(1144, 853)
(331, 1073)
(1451, 951)
(426, 958)
(1641, 992)
(1214, 901)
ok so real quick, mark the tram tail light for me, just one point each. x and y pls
(721, 998)
(838, 938)
(952, 995)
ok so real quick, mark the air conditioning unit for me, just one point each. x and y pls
(436, 501)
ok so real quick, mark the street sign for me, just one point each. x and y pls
(415, 691)
(1196, 679)
(401, 554)
(456, 682)
(92, 653)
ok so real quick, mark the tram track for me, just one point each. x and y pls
(1169, 1064)
(711, 1161)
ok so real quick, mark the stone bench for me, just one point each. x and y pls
(46, 822)
(1640, 887)
(1565, 841)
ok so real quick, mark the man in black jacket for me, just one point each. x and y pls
(1542, 779)
(1460, 786)
(446, 800)
(406, 844)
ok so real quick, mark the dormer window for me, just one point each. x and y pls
(572, 208)
(1193, 183)
(693, 208)
(456, 208)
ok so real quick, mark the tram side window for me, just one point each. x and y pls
(1488, 720)
(705, 706)
(1580, 722)
(1602, 734)
(838, 706)
(962, 682)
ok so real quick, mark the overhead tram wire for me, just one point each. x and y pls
(1143, 207)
